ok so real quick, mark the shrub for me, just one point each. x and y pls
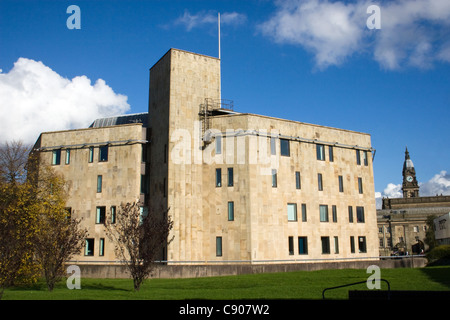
(440, 255)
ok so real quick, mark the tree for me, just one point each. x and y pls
(430, 240)
(138, 239)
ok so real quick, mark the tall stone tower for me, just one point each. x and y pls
(179, 83)
(410, 186)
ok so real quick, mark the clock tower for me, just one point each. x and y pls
(410, 186)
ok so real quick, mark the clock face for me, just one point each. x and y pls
(409, 178)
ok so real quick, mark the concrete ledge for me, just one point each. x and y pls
(195, 271)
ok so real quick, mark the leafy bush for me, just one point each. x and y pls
(440, 255)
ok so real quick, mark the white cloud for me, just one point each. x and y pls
(437, 185)
(413, 32)
(34, 99)
(203, 18)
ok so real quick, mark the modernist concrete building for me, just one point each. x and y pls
(240, 187)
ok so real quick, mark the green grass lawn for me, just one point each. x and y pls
(289, 285)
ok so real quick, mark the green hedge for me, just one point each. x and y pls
(439, 255)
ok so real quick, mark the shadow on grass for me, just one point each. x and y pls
(440, 274)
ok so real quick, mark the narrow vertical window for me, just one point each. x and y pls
(218, 246)
(89, 247)
(302, 245)
(360, 186)
(352, 244)
(360, 215)
(100, 215)
(350, 214)
(218, 177)
(323, 209)
(230, 211)
(292, 211)
(67, 156)
(103, 154)
(56, 157)
(320, 152)
(284, 147)
(341, 184)
(218, 144)
(334, 213)
(319, 182)
(273, 146)
(91, 154)
(297, 180)
(274, 178)
(113, 214)
(330, 153)
(358, 157)
(101, 249)
(365, 159)
(325, 245)
(230, 177)
(291, 245)
(99, 183)
(362, 245)
(336, 245)
(304, 217)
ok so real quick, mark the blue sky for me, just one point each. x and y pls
(313, 61)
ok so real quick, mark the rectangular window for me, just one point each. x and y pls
(360, 214)
(218, 177)
(330, 153)
(103, 154)
(320, 151)
(298, 184)
(274, 178)
(91, 154)
(284, 147)
(101, 249)
(230, 177)
(323, 209)
(89, 247)
(352, 244)
(230, 211)
(273, 146)
(334, 213)
(56, 157)
(302, 245)
(99, 183)
(113, 214)
(336, 245)
(145, 183)
(304, 212)
(350, 214)
(360, 186)
(100, 215)
(67, 156)
(341, 184)
(218, 144)
(358, 157)
(362, 245)
(292, 211)
(291, 245)
(325, 245)
(218, 246)
(365, 159)
(319, 182)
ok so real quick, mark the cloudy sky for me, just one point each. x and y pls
(315, 61)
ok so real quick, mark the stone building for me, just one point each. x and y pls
(239, 187)
(402, 221)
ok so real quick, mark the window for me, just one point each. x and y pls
(360, 214)
(336, 245)
(362, 245)
(89, 247)
(325, 245)
(100, 215)
(358, 157)
(302, 245)
(218, 144)
(67, 156)
(320, 151)
(352, 244)
(330, 153)
(291, 245)
(360, 186)
(218, 246)
(334, 213)
(319, 182)
(341, 184)
(218, 177)
(113, 214)
(103, 154)
(274, 178)
(99, 184)
(91, 154)
(323, 209)
(292, 211)
(304, 212)
(298, 184)
(145, 183)
(230, 211)
(284, 147)
(416, 229)
(101, 249)
(230, 177)
(56, 157)
(365, 159)
(273, 146)
(350, 214)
